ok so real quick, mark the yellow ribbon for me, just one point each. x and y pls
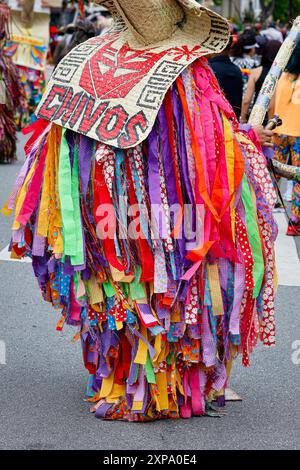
(215, 289)
(141, 355)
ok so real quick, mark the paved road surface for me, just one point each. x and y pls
(43, 382)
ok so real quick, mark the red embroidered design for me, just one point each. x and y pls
(184, 52)
(112, 73)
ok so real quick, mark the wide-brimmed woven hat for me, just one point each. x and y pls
(111, 87)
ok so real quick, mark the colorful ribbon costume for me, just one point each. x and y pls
(162, 254)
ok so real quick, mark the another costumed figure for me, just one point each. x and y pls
(148, 214)
(9, 93)
(28, 47)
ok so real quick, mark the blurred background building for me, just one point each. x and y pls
(255, 10)
(240, 8)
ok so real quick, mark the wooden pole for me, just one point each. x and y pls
(262, 103)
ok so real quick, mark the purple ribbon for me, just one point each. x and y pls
(154, 181)
(85, 155)
(21, 177)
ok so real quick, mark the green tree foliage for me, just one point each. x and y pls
(286, 10)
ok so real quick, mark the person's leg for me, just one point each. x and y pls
(295, 156)
(281, 154)
(294, 223)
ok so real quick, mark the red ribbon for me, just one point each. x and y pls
(145, 253)
(38, 127)
(34, 189)
(102, 196)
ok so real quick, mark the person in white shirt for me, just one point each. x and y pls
(272, 33)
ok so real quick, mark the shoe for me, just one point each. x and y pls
(293, 229)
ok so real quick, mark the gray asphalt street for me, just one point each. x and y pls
(42, 384)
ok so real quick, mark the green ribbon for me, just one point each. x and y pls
(137, 289)
(65, 196)
(78, 259)
(149, 371)
(254, 238)
(108, 289)
(68, 188)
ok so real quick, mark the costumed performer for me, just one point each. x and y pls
(28, 47)
(9, 93)
(148, 214)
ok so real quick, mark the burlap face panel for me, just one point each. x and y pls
(110, 89)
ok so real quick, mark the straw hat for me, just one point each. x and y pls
(111, 87)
